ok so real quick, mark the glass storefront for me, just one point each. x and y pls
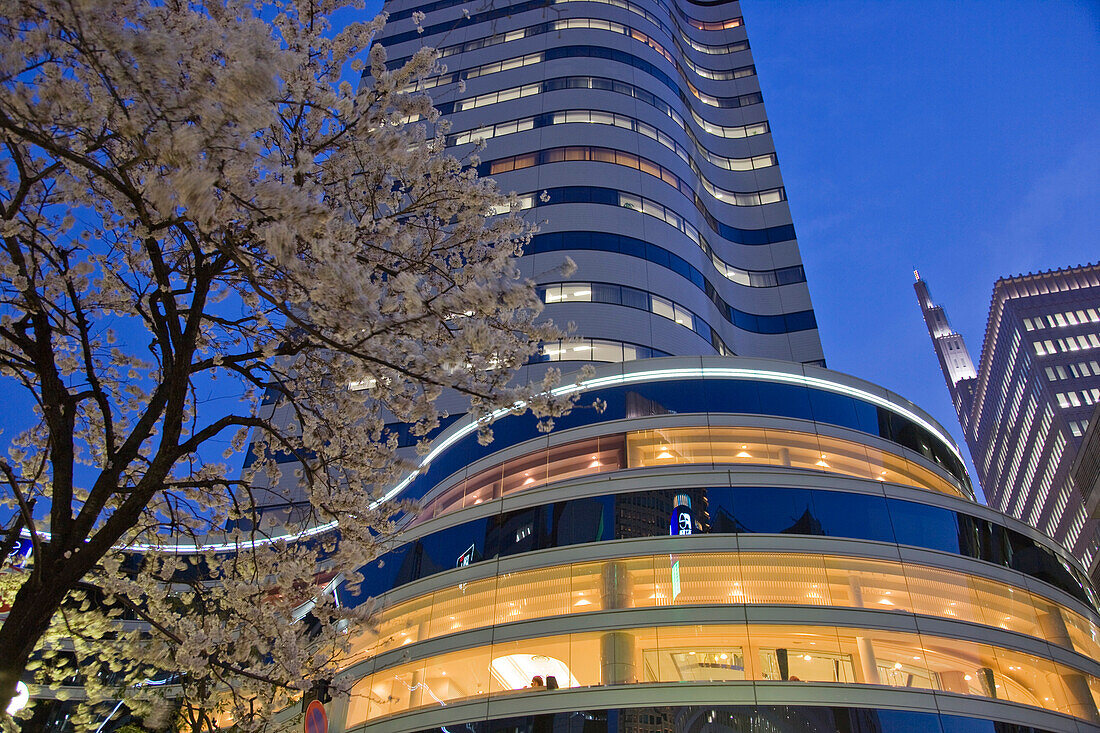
(728, 653)
(725, 578)
(744, 446)
(741, 719)
(744, 510)
(731, 396)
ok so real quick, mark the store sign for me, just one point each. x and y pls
(682, 521)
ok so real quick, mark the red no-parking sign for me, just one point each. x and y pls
(316, 721)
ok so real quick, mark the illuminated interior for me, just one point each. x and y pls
(727, 653)
(673, 446)
(808, 579)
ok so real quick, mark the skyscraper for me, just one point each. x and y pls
(638, 135)
(749, 542)
(1025, 410)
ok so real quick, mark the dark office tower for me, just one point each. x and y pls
(1026, 410)
(638, 135)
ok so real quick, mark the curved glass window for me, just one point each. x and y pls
(702, 396)
(629, 160)
(745, 510)
(712, 49)
(600, 241)
(742, 719)
(626, 122)
(649, 207)
(578, 292)
(715, 25)
(605, 350)
(684, 446)
(727, 578)
(726, 653)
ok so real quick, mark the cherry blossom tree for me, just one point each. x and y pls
(199, 213)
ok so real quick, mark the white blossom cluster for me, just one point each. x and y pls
(195, 202)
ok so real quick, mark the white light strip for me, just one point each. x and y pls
(462, 431)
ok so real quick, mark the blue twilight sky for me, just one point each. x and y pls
(962, 139)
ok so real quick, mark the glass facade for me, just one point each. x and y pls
(743, 719)
(701, 530)
(737, 510)
(727, 653)
(661, 396)
(729, 579)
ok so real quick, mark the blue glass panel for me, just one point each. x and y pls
(586, 520)
(680, 266)
(632, 247)
(774, 511)
(733, 396)
(450, 547)
(861, 516)
(657, 255)
(959, 724)
(799, 321)
(723, 517)
(924, 526)
(787, 400)
(834, 409)
(894, 721)
(381, 574)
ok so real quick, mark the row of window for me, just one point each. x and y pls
(596, 154)
(599, 117)
(1073, 371)
(711, 49)
(741, 719)
(632, 298)
(1077, 399)
(1079, 428)
(572, 23)
(584, 349)
(740, 510)
(618, 87)
(702, 71)
(744, 446)
(716, 25)
(649, 207)
(725, 653)
(727, 579)
(1059, 320)
(699, 395)
(496, 14)
(717, 50)
(1082, 342)
(601, 241)
(562, 52)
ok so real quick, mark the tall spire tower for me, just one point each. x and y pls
(955, 362)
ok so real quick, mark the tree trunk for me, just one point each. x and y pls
(29, 618)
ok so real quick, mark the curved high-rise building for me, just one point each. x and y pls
(635, 131)
(742, 540)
